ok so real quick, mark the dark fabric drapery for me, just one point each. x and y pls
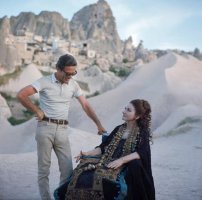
(133, 182)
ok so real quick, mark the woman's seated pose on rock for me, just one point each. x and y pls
(120, 167)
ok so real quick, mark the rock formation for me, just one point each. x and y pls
(96, 24)
(128, 50)
(46, 24)
(197, 54)
(9, 57)
(97, 81)
(5, 112)
(144, 54)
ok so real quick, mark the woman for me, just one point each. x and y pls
(120, 167)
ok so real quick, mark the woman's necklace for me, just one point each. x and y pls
(111, 147)
(126, 133)
(128, 146)
(131, 142)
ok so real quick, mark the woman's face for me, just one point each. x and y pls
(129, 113)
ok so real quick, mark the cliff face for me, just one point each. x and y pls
(9, 57)
(4, 27)
(46, 24)
(93, 22)
(96, 23)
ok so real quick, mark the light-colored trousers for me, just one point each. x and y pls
(52, 136)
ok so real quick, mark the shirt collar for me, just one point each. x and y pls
(53, 78)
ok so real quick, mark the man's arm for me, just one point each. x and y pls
(90, 112)
(23, 97)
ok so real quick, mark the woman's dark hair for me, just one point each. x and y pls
(143, 110)
(66, 60)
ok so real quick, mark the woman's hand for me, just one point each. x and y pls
(80, 156)
(116, 163)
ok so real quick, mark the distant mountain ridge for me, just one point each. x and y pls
(92, 26)
(46, 24)
(94, 21)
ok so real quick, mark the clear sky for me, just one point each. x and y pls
(161, 24)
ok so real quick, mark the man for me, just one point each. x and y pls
(55, 92)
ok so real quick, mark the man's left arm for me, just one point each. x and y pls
(90, 112)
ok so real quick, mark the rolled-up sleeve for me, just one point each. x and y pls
(78, 92)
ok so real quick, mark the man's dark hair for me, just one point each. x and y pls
(65, 61)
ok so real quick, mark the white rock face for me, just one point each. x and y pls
(9, 56)
(97, 80)
(5, 112)
(185, 113)
(27, 76)
(19, 138)
(104, 64)
(96, 24)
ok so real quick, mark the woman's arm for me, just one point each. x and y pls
(130, 157)
(142, 152)
(123, 160)
(99, 149)
(94, 152)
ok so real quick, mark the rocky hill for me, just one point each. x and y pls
(96, 22)
(46, 24)
(9, 56)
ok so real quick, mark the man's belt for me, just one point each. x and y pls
(56, 121)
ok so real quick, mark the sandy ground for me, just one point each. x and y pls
(177, 166)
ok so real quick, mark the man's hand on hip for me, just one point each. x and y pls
(39, 115)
